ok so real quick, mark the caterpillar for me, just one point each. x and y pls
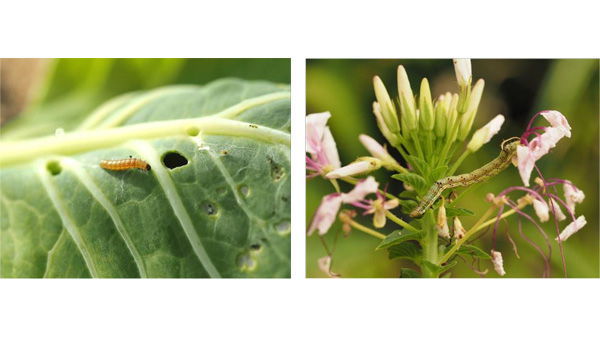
(483, 173)
(124, 164)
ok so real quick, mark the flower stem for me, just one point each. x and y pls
(399, 221)
(366, 230)
(459, 161)
(429, 244)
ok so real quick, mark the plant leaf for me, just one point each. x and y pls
(397, 237)
(437, 173)
(420, 165)
(216, 202)
(406, 250)
(409, 273)
(471, 250)
(414, 180)
(451, 211)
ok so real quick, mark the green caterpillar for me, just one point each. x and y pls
(483, 173)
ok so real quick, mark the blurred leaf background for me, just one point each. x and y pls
(515, 88)
(38, 95)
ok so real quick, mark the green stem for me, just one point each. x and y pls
(430, 245)
(417, 145)
(399, 221)
(459, 161)
(366, 230)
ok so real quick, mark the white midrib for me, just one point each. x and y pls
(110, 209)
(147, 152)
(68, 223)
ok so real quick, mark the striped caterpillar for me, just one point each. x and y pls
(125, 164)
(483, 173)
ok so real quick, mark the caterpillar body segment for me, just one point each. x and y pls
(481, 174)
(124, 164)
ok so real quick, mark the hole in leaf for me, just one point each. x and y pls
(246, 262)
(245, 190)
(283, 228)
(209, 208)
(173, 159)
(54, 167)
(255, 247)
(193, 131)
(277, 171)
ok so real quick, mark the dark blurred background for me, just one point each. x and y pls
(515, 88)
(35, 92)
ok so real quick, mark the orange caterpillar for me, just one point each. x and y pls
(124, 164)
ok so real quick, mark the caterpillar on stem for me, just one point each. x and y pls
(483, 173)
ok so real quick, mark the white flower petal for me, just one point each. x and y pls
(572, 196)
(355, 168)
(361, 190)
(374, 148)
(330, 149)
(483, 135)
(315, 129)
(325, 215)
(558, 120)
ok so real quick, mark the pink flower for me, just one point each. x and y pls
(325, 215)
(527, 155)
(572, 195)
(376, 150)
(557, 120)
(378, 208)
(330, 205)
(320, 144)
(572, 228)
(498, 263)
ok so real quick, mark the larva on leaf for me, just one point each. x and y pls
(124, 164)
(483, 173)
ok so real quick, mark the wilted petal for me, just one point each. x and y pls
(442, 223)
(558, 120)
(361, 190)
(358, 167)
(459, 230)
(572, 228)
(572, 196)
(462, 67)
(541, 210)
(498, 263)
(325, 214)
(560, 216)
(315, 128)
(325, 266)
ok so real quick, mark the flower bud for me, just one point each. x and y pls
(466, 120)
(363, 165)
(406, 100)
(452, 125)
(483, 135)
(378, 151)
(462, 67)
(391, 137)
(426, 106)
(441, 112)
(388, 111)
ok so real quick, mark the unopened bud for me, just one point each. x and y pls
(406, 100)
(483, 135)
(427, 118)
(442, 222)
(388, 111)
(466, 120)
(391, 137)
(363, 165)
